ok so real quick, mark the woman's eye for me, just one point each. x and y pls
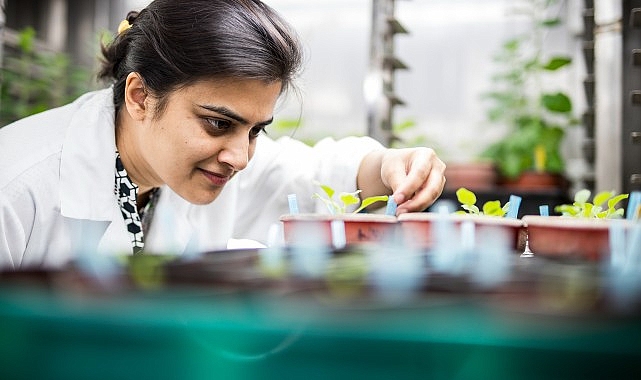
(218, 125)
(254, 132)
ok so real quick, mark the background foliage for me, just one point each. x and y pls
(34, 80)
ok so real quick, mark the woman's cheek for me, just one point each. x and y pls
(251, 150)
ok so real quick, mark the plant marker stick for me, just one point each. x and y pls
(633, 254)
(468, 238)
(633, 205)
(446, 251)
(391, 206)
(293, 204)
(275, 235)
(338, 234)
(616, 234)
(513, 210)
(544, 210)
(273, 256)
(492, 262)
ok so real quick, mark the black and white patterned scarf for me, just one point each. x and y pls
(137, 222)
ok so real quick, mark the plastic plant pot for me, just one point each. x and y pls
(417, 228)
(564, 237)
(313, 229)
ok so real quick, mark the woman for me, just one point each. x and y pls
(160, 160)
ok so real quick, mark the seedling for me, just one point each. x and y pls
(582, 208)
(340, 205)
(467, 199)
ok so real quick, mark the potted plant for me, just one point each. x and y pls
(529, 155)
(583, 229)
(339, 226)
(418, 228)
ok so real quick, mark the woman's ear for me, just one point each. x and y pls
(136, 97)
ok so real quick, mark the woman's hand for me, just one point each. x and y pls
(414, 176)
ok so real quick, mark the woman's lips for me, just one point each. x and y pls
(216, 178)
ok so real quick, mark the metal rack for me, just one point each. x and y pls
(379, 85)
(589, 147)
(631, 84)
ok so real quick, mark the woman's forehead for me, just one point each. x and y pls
(250, 98)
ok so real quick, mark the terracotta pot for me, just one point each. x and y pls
(532, 180)
(565, 237)
(316, 228)
(417, 228)
(471, 175)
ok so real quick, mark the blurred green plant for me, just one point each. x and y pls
(536, 119)
(340, 205)
(288, 127)
(404, 135)
(467, 199)
(34, 81)
(603, 205)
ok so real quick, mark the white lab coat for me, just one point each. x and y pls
(57, 200)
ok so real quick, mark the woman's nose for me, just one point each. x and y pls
(235, 152)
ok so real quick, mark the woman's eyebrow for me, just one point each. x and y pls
(231, 114)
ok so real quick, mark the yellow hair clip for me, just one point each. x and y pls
(124, 25)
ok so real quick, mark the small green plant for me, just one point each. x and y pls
(340, 205)
(467, 199)
(603, 206)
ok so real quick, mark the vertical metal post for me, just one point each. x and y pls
(589, 145)
(2, 21)
(631, 92)
(379, 83)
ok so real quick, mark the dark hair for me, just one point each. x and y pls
(172, 44)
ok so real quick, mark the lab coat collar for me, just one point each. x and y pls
(172, 229)
(87, 163)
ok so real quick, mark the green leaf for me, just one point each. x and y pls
(512, 45)
(465, 196)
(567, 210)
(371, 200)
(552, 22)
(404, 126)
(328, 190)
(601, 197)
(26, 39)
(582, 196)
(493, 208)
(472, 209)
(285, 125)
(612, 202)
(556, 63)
(601, 215)
(349, 199)
(558, 102)
(618, 213)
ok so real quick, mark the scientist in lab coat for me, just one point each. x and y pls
(172, 156)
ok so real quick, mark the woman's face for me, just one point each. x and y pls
(205, 135)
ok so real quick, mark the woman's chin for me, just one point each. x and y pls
(201, 198)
